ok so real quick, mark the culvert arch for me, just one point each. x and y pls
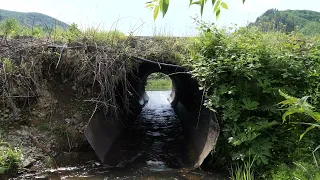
(199, 125)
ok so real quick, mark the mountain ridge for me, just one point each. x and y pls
(306, 22)
(33, 19)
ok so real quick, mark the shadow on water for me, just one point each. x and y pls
(153, 150)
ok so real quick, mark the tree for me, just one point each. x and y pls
(163, 5)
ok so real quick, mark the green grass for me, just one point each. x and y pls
(11, 28)
(159, 84)
(243, 172)
(297, 171)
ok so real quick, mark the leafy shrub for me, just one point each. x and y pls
(9, 159)
(241, 73)
(295, 105)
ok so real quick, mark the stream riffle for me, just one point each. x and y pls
(155, 144)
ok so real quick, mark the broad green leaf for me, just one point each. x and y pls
(291, 111)
(155, 13)
(243, 1)
(315, 116)
(217, 6)
(218, 14)
(161, 4)
(224, 5)
(285, 115)
(307, 130)
(150, 5)
(164, 5)
(196, 2)
(248, 104)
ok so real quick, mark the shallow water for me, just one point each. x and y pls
(155, 144)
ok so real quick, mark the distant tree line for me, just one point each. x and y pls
(305, 21)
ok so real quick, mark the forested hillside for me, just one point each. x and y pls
(304, 21)
(32, 19)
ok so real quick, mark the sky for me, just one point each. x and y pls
(131, 16)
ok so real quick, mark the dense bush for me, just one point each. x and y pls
(241, 73)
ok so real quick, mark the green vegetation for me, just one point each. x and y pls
(243, 172)
(294, 106)
(11, 28)
(298, 170)
(33, 19)
(241, 73)
(9, 159)
(304, 21)
(158, 82)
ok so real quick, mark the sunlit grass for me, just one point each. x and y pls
(158, 82)
(159, 85)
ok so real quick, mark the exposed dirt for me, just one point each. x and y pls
(50, 132)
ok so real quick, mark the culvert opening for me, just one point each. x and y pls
(199, 126)
(158, 82)
(158, 127)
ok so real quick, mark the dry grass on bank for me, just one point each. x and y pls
(28, 65)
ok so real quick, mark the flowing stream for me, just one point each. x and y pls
(155, 144)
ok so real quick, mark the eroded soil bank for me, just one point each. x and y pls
(50, 131)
